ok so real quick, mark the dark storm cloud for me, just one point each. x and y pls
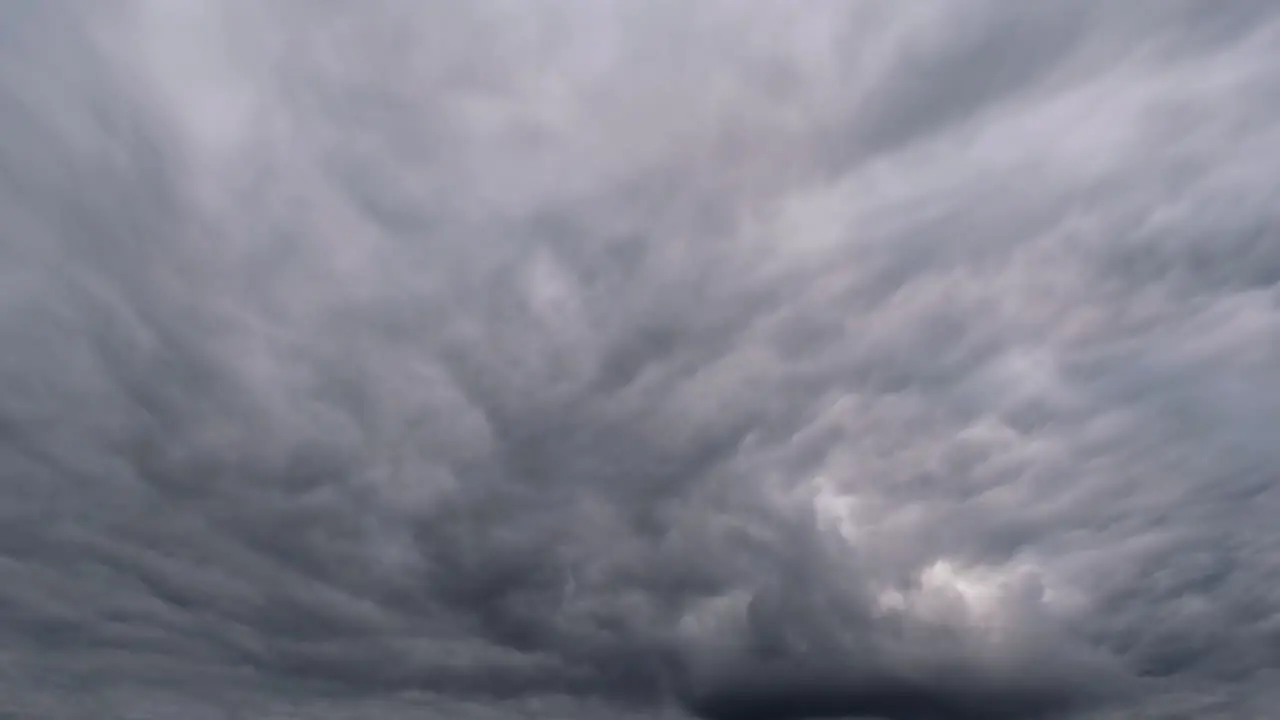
(655, 360)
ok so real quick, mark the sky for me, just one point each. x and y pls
(646, 360)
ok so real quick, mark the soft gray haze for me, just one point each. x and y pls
(738, 360)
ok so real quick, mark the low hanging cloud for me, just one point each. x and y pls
(609, 359)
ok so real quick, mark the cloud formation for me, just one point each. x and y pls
(655, 360)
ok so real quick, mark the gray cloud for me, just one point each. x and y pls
(640, 360)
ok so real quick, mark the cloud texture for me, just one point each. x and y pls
(740, 361)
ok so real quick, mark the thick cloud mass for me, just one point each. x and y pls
(741, 361)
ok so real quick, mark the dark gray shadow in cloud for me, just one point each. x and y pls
(985, 55)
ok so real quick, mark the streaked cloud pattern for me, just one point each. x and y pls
(568, 359)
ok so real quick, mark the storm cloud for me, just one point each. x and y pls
(739, 361)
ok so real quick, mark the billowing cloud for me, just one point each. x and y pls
(580, 359)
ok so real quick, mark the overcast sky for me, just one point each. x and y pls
(655, 359)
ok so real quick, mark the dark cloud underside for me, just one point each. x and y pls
(916, 361)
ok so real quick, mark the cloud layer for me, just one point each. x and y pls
(733, 361)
